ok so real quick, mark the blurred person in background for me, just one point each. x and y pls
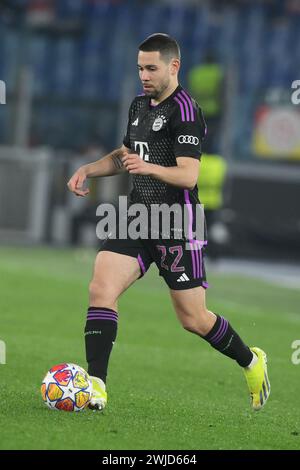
(84, 213)
(205, 83)
(211, 185)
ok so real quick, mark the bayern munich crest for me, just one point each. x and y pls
(158, 123)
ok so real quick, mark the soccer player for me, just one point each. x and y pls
(162, 150)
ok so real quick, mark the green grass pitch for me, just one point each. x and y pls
(167, 388)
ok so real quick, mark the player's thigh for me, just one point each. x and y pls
(113, 274)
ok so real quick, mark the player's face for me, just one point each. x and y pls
(155, 73)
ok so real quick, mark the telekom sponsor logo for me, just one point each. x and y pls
(142, 148)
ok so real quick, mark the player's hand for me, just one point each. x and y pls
(75, 184)
(135, 165)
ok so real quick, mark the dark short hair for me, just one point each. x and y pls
(163, 43)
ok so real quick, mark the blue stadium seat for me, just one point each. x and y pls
(65, 54)
(91, 66)
(10, 47)
(69, 9)
(40, 58)
(3, 30)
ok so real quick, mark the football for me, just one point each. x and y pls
(67, 387)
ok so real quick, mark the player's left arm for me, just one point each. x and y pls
(184, 175)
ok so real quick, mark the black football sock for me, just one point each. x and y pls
(100, 334)
(223, 338)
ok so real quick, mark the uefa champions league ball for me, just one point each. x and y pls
(67, 387)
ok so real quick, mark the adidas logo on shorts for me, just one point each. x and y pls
(183, 278)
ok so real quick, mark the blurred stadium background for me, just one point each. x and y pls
(70, 73)
(69, 67)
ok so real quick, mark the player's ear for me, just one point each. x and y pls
(174, 65)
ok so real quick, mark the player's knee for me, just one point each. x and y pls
(199, 324)
(194, 328)
(191, 328)
(101, 293)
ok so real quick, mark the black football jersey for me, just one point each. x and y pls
(159, 134)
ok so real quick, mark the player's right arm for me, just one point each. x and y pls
(109, 165)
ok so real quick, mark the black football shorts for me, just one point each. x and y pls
(180, 262)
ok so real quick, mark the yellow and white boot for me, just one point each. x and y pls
(99, 395)
(257, 380)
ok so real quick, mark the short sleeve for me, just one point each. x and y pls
(188, 129)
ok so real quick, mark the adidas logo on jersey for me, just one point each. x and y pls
(183, 278)
(136, 122)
